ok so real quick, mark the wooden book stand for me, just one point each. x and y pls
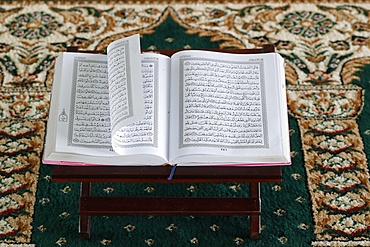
(92, 206)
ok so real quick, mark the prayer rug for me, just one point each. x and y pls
(324, 199)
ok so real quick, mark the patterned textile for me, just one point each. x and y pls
(324, 199)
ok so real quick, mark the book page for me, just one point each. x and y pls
(81, 116)
(149, 135)
(79, 126)
(125, 82)
(226, 107)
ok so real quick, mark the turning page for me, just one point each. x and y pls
(228, 108)
(149, 135)
(125, 84)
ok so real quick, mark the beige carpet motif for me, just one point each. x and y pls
(324, 46)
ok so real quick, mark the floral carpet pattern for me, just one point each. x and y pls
(324, 199)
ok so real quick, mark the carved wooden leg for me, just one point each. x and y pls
(85, 220)
(255, 232)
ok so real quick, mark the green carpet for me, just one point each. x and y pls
(324, 199)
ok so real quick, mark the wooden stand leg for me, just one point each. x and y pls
(85, 220)
(255, 232)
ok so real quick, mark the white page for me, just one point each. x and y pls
(83, 121)
(236, 121)
(125, 83)
(149, 135)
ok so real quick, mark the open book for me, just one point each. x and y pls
(193, 108)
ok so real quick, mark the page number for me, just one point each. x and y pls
(224, 149)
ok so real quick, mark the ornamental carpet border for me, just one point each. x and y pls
(326, 49)
(171, 2)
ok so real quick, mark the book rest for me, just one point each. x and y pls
(109, 206)
(93, 206)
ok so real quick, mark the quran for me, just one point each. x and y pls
(194, 108)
